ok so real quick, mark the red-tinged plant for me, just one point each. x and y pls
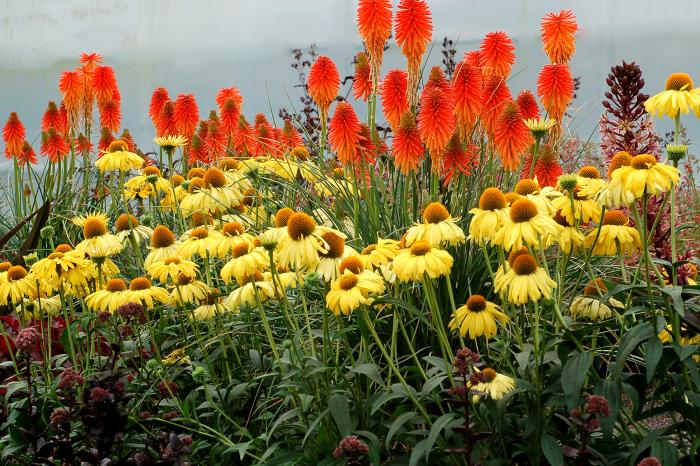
(54, 118)
(26, 155)
(158, 99)
(166, 123)
(527, 104)
(555, 88)
(244, 140)
(289, 137)
(54, 145)
(323, 83)
(458, 159)
(72, 88)
(495, 95)
(374, 27)
(104, 83)
(110, 115)
(547, 167)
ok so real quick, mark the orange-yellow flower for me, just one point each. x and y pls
(436, 122)
(495, 95)
(512, 137)
(158, 99)
(558, 31)
(496, 54)
(555, 87)
(393, 95)
(374, 27)
(413, 30)
(362, 79)
(323, 82)
(13, 135)
(344, 132)
(186, 115)
(467, 95)
(528, 105)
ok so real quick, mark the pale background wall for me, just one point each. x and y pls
(200, 46)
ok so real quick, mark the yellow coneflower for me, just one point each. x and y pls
(67, 269)
(215, 195)
(678, 96)
(539, 126)
(98, 242)
(570, 239)
(188, 290)
(438, 228)
(232, 234)
(327, 267)
(350, 291)
(142, 292)
(380, 253)
(613, 195)
(109, 298)
(299, 249)
(149, 183)
(199, 241)
(589, 182)
(489, 217)
(118, 157)
(4, 267)
(40, 307)
(616, 236)
(253, 287)
(126, 225)
(526, 225)
(524, 282)
(495, 385)
(169, 269)
(421, 259)
(177, 357)
(170, 143)
(578, 209)
(589, 305)
(163, 245)
(210, 307)
(542, 197)
(247, 258)
(477, 317)
(18, 285)
(645, 174)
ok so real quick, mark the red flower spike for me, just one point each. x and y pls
(344, 132)
(374, 27)
(158, 99)
(558, 35)
(186, 115)
(555, 88)
(103, 82)
(512, 138)
(495, 95)
(527, 104)
(436, 122)
(54, 146)
(13, 135)
(393, 96)
(362, 79)
(26, 155)
(110, 116)
(467, 95)
(496, 54)
(458, 160)
(413, 30)
(323, 83)
(407, 146)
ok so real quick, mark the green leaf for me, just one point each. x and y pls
(665, 452)
(340, 411)
(654, 349)
(646, 443)
(633, 338)
(676, 295)
(369, 370)
(398, 424)
(419, 451)
(438, 426)
(552, 450)
(573, 375)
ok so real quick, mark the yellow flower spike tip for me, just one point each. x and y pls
(589, 305)
(438, 228)
(127, 224)
(570, 239)
(18, 285)
(169, 268)
(421, 259)
(98, 242)
(526, 225)
(645, 173)
(247, 258)
(117, 157)
(299, 248)
(489, 217)
(679, 96)
(109, 298)
(188, 290)
(615, 233)
(142, 292)
(493, 384)
(477, 318)
(163, 245)
(525, 282)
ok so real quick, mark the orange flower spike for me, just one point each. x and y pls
(527, 104)
(374, 27)
(558, 35)
(323, 83)
(90, 61)
(547, 167)
(467, 95)
(229, 93)
(52, 117)
(413, 30)
(366, 150)
(289, 136)
(110, 115)
(437, 78)
(128, 139)
(158, 99)
(13, 135)
(458, 160)
(104, 83)
(496, 54)
(54, 146)
(186, 115)
(362, 79)
(555, 87)
(407, 146)
(165, 125)
(495, 95)
(344, 132)
(214, 142)
(229, 116)
(72, 88)
(393, 96)
(511, 136)
(244, 140)
(27, 155)
(436, 122)
(106, 139)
